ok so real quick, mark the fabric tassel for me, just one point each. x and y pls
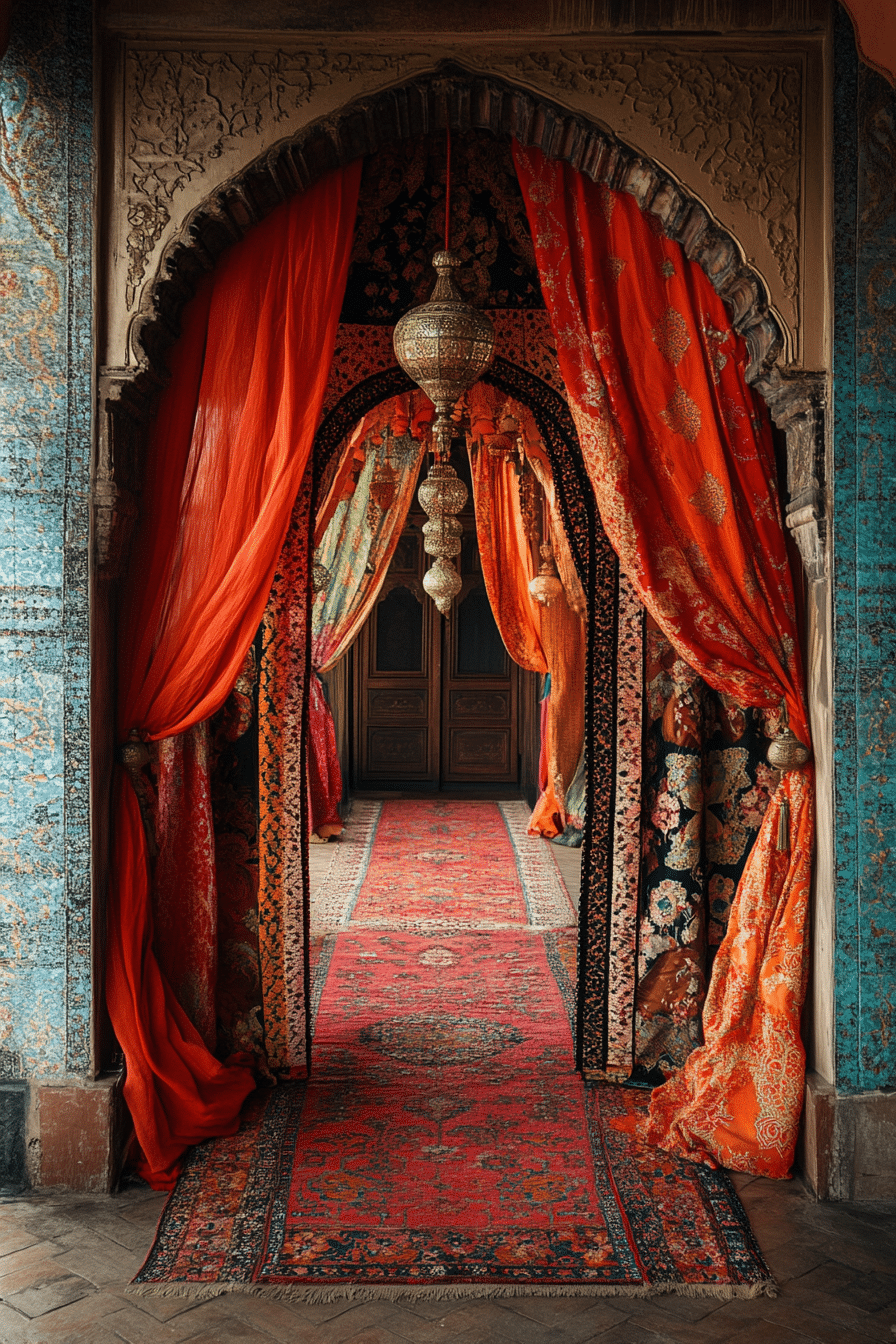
(784, 825)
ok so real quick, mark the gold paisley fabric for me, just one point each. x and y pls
(679, 452)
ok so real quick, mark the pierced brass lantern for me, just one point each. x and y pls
(445, 345)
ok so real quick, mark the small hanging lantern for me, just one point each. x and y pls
(546, 586)
(442, 495)
(444, 345)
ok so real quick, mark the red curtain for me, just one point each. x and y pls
(679, 452)
(229, 447)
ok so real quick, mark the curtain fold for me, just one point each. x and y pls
(506, 556)
(540, 639)
(364, 509)
(679, 452)
(229, 446)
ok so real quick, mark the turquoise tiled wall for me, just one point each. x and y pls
(864, 559)
(46, 211)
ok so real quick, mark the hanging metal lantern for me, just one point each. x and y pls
(546, 586)
(443, 492)
(445, 345)
(443, 583)
(442, 536)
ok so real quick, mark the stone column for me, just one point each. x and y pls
(55, 1115)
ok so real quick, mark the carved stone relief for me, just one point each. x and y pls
(737, 116)
(727, 123)
(799, 405)
(187, 108)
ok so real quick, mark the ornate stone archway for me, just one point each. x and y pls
(451, 95)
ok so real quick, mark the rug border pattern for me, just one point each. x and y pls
(337, 895)
(547, 900)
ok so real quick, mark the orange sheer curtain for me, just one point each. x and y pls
(229, 447)
(679, 452)
(540, 639)
(506, 559)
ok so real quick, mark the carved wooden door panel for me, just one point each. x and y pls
(436, 701)
(398, 667)
(479, 694)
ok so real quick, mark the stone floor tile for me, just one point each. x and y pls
(795, 1258)
(599, 1315)
(13, 1326)
(277, 1316)
(230, 1330)
(768, 1332)
(100, 1219)
(473, 1334)
(14, 1237)
(103, 1268)
(92, 1309)
(28, 1275)
(575, 1316)
(508, 1326)
(419, 1329)
(316, 1312)
(649, 1315)
(49, 1292)
(13, 1266)
(877, 1325)
(359, 1316)
(688, 1308)
(550, 1310)
(868, 1258)
(433, 1308)
(485, 1314)
(817, 1327)
(871, 1292)
(631, 1333)
(46, 1223)
(829, 1277)
(135, 1326)
(376, 1334)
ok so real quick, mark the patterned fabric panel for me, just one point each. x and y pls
(707, 787)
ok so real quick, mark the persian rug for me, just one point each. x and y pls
(444, 1145)
(441, 864)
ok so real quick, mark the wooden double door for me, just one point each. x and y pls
(437, 700)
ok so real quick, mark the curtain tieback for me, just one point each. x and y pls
(135, 756)
(786, 753)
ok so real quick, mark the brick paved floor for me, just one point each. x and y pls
(65, 1261)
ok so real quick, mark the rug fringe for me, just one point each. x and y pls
(370, 1292)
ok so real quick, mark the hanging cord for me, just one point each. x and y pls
(447, 187)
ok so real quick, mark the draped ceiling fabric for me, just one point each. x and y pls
(229, 448)
(679, 452)
(357, 529)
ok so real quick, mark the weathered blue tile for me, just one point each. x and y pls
(46, 988)
(864, 571)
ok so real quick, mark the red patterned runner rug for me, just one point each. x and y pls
(445, 1146)
(434, 863)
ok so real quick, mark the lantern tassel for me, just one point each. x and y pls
(784, 825)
